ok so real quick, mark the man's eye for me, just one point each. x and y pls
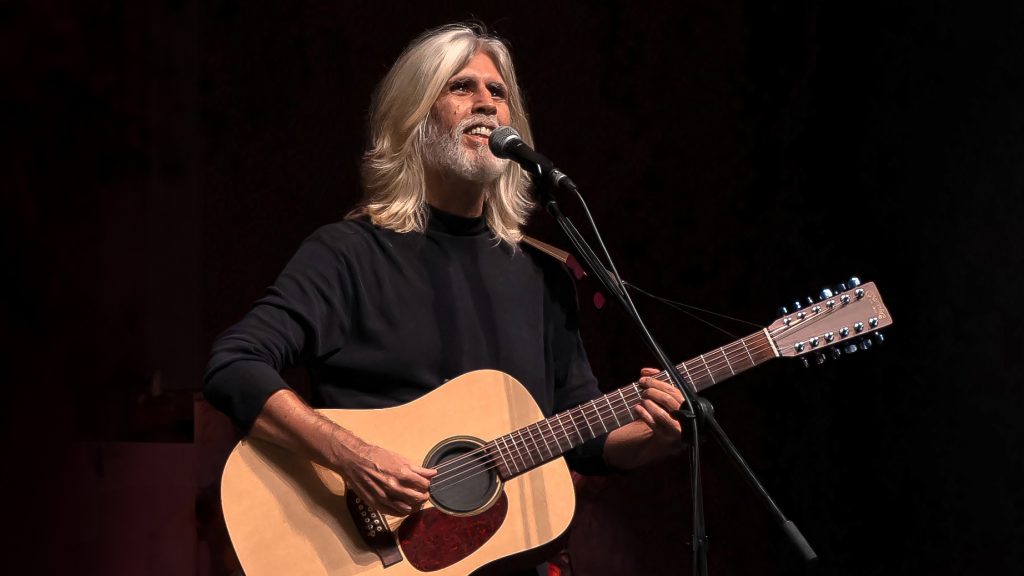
(497, 90)
(459, 86)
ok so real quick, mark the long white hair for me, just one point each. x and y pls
(393, 174)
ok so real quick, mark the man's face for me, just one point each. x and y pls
(472, 104)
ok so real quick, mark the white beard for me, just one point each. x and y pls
(446, 153)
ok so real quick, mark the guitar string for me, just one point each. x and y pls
(579, 418)
(580, 411)
(490, 461)
(470, 458)
(529, 445)
(481, 466)
(712, 365)
(446, 467)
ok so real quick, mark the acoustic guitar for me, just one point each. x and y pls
(502, 487)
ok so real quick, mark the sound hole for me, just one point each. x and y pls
(467, 481)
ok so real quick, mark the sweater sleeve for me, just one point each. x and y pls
(304, 313)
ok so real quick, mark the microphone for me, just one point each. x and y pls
(505, 142)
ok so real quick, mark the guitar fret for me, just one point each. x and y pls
(540, 455)
(560, 434)
(612, 408)
(529, 444)
(597, 413)
(565, 432)
(727, 363)
(513, 455)
(688, 377)
(639, 393)
(525, 449)
(497, 447)
(507, 439)
(639, 397)
(545, 438)
(573, 420)
(582, 410)
(555, 436)
(587, 420)
(629, 409)
(747, 350)
(708, 369)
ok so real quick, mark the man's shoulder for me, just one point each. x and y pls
(346, 234)
(556, 267)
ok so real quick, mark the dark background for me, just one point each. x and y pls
(164, 159)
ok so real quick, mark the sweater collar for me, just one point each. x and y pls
(453, 224)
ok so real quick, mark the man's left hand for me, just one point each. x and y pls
(660, 399)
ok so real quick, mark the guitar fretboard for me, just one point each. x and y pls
(529, 447)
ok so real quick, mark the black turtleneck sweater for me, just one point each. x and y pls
(380, 318)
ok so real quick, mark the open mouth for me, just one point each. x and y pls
(480, 130)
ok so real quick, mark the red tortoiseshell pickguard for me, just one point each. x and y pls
(432, 540)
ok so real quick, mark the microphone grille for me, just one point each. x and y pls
(500, 139)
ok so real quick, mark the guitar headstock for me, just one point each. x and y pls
(845, 320)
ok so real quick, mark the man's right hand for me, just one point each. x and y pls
(384, 480)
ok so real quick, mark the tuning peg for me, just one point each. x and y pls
(850, 347)
(865, 343)
(782, 311)
(804, 362)
(825, 294)
(819, 358)
(853, 282)
(841, 287)
(878, 338)
(796, 305)
(835, 352)
(809, 301)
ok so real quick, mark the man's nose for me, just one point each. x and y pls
(484, 103)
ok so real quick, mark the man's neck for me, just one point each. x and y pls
(456, 196)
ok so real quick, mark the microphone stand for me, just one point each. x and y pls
(695, 411)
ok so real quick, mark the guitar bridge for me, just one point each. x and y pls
(374, 530)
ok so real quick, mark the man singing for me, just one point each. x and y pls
(425, 280)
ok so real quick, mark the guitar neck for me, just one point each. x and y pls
(529, 447)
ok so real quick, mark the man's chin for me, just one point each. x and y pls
(469, 163)
(485, 177)
(482, 167)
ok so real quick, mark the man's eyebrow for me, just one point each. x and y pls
(474, 77)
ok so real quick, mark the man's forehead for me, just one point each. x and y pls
(481, 65)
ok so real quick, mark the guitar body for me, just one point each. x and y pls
(286, 515)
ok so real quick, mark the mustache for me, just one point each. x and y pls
(434, 125)
(476, 120)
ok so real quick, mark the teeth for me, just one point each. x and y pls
(480, 131)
